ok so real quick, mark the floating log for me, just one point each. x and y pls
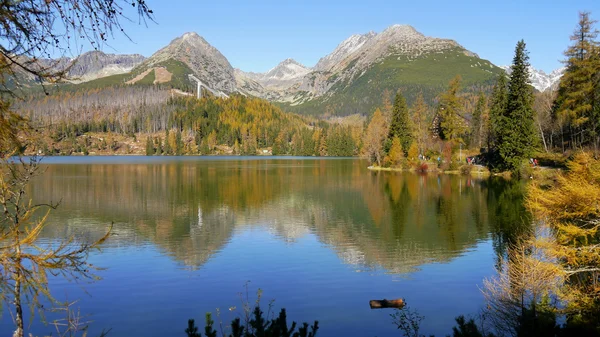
(382, 304)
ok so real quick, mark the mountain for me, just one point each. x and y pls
(540, 80)
(285, 74)
(347, 47)
(354, 76)
(190, 54)
(87, 67)
(96, 64)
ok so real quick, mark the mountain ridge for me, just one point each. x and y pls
(350, 79)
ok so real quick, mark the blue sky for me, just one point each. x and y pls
(257, 35)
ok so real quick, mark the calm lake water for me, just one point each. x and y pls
(321, 237)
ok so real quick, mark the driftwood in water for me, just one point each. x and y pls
(382, 304)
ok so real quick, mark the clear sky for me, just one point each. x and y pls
(257, 35)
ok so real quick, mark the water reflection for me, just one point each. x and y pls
(191, 209)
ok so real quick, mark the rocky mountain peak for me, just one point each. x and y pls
(290, 61)
(286, 73)
(205, 61)
(405, 32)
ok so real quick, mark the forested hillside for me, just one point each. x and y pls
(147, 119)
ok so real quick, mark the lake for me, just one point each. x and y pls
(320, 237)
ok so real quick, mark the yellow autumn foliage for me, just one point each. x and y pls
(571, 209)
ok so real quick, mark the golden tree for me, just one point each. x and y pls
(515, 297)
(396, 154)
(25, 263)
(374, 137)
(571, 209)
(30, 32)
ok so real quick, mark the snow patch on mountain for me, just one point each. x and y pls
(540, 80)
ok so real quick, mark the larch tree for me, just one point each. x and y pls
(452, 124)
(400, 123)
(375, 136)
(396, 154)
(570, 209)
(516, 133)
(30, 31)
(578, 98)
(419, 122)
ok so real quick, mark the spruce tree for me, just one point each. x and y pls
(400, 123)
(516, 134)
(577, 101)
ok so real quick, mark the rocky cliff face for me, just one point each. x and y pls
(96, 64)
(343, 50)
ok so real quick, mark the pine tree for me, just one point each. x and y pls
(452, 125)
(577, 101)
(400, 123)
(517, 133)
(178, 143)
(149, 146)
(159, 147)
(477, 121)
(168, 150)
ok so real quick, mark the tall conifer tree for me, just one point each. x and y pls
(577, 101)
(516, 133)
(400, 123)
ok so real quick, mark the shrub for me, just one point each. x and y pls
(256, 326)
(525, 170)
(465, 169)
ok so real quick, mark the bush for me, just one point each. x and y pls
(525, 170)
(257, 326)
(465, 169)
(423, 167)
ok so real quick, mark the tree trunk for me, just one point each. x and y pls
(543, 138)
(19, 332)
